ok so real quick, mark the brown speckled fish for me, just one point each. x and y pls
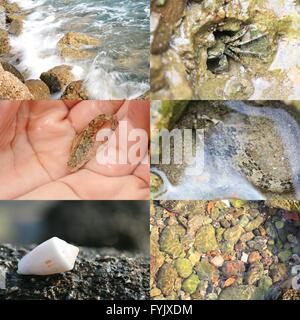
(83, 145)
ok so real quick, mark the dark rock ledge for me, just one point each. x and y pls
(102, 274)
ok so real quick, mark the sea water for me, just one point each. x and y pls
(119, 68)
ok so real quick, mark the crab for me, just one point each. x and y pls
(231, 47)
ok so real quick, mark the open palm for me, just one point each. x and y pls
(35, 140)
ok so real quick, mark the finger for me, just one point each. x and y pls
(8, 115)
(82, 113)
(130, 141)
(89, 185)
(52, 191)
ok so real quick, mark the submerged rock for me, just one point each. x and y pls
(241, 292)
(58, 77)
(38, 89)
(99, 274)
(71, 45)
(16, 27)
(166, 279)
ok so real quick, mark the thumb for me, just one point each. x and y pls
(8, 113)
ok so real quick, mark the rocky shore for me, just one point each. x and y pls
(98, 274)
(232, 250)
(58, 80)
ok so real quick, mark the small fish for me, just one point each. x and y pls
(83, 145)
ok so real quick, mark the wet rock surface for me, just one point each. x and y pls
(38, 89)
(250, 251)
(71, 45)
(11, 88)
(101, 274)
(251, 141)
(58, 77)
(74, 91)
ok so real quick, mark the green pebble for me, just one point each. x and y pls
(219, 233)
(265, 283)
(183, 267)
(284, 255)
(238, 203)
(279, 224)
(291, 238)
(190, 284)
(244, 221)
(271, 242)
(296, 250)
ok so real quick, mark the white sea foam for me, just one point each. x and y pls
(113, 22)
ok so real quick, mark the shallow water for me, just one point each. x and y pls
(228, 171)
(223, 250)
(120, 67)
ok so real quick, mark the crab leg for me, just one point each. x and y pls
(245, 52)
(253, 39)
(232, 55)
(238, 35)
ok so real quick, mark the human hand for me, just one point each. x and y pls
(35, 140)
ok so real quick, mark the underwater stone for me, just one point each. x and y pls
(205, 240)
(254, 224)
(183, 267)
(166, 279)
(169, 241)
(241, 292)
(190, 284)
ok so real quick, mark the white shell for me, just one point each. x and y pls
(50, 257)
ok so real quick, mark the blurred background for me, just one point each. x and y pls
(122, 225)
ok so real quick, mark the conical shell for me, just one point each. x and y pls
(50, 257)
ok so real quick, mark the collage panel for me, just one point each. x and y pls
(74, 50)
(206, 150)
(70, 150)
(225, 250)
(225, 50)
(153, 147)
(89, 250)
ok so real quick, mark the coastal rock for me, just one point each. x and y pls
(10, 68)
(11, 88)
(77, 40)
(75, 91)
(169, 14)
(71, 45)
(75, 53)
(11, 8)
(2, 17)
(4, 42)
(38, 89)
(12, 17)
(16, 27)
(58, 77)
